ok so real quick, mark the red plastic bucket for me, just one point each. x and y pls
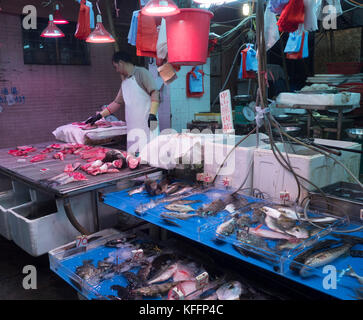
(187, 36)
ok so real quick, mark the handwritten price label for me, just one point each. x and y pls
(226, 111)
(207, 178)
(137, 254)
(202, 280)
(177, 294)
(227, 182)
(81, 241)
(200, 176)
(284, 196)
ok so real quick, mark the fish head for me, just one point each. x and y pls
(299, 232)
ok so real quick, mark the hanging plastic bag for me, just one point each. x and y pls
(304, 48)
(91, 13)
(83, 26)
(294, 42)
(305, 53)
(292, 16)
(251, 59)
(132, 36)
(147, 36)
(276, 6)
(243, 72)
(312, 8)
(161, 45)
(272, 34)
(195, 83)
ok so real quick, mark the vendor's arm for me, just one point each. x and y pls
(114, 105)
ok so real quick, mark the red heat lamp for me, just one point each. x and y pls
(100, 34)
(58, 19)
(52, 31)
(160, 8)
(209, 1)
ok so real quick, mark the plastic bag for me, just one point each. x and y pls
(294, 42)
(312, 8)
(161, 45)
(131, 38)
(276, 6)
(272, 34)
(83, 26)
(292, 16)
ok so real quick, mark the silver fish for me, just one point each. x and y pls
(137, 190)
(179, 208)
(230, 291)
(177, 215)
(227, 227)
(296, 231)
(142, 208)
(164, 274)
(353, 274)
(156, 289)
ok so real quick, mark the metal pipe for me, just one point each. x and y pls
(72, 219)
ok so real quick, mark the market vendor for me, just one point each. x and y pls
(139, 95)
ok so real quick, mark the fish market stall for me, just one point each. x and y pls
(51, 195)
(271, 236)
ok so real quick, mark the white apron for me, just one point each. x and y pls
(137, 109)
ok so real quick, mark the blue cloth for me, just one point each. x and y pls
(133, 28)
(294, 42)
(91, 13)
(276, 6)
(196, 84)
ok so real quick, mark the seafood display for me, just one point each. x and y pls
(111, 270)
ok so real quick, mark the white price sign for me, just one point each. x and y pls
(81, 241)
(226, 112)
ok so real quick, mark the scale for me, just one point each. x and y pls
(243, 114)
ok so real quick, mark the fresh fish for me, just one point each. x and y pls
(283, 245)
(136, 190)
(177, 215)
(142, 208)
(169, 220)
(184, 190)
(185, 201)
(133, 280)
(258, 254)
(171, 189)
(179, 208)
(227, 227)
(122, 292)
(212, 209)
(271, 212)
(264, 233)
(353, 274)
(243, 220)
(161, 261)
(144, 271)
(230, 291)
(87, 270)
(155, 289)
(233, 202)
(288, 213)
(297, 231)
(151, 186)
(206, 292)
(285, 223)
(164, 274)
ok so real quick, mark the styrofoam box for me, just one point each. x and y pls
(51, 227)
(9, 199)
(238, 166)
(270, 177)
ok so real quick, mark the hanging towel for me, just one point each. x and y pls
(83, 26)
(291, 16)
(132, 36)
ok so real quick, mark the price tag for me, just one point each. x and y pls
(207, 178)
(177, 294)
(137, 254)
(226, 112)
(43, 170)
(227, 181)
(200, 176)
(81, 241)
(284, 196)
(202, 280)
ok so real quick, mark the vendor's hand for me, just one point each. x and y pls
(93, 119)
(152, 122)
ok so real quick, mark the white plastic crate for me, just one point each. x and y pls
(238, 165)
(270, 177)
(50, 228)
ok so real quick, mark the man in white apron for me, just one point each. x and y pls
(139, 95)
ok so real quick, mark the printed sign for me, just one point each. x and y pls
(227, 181)
(226, 112)
(137, 254)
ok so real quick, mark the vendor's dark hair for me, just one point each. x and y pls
(121, 56)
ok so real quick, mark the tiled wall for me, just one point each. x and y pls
(182, 107)
(54, 95)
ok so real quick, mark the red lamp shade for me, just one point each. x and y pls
(209, 1)
(100, 34)
(161, 8)
(52, 31)
(58, 19)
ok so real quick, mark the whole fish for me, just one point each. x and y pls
(142, 208)
(212, 209)
(234, 202)
(227, 227)
(177, 215)
(297, 231)
(164, 274)
(87, 270)
(122, 292)
(185, 201)
(136, 190)
(230, 291)
(133, 280)
(283, 245)
(264, 233)
(179, 208)
(184, 190)
(207, 291)
(155, 289)
(144, 271)
(353, 274)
